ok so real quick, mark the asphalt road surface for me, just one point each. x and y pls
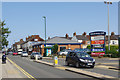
(101, 70)
(38, 70)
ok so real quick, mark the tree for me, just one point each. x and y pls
(55, 49)
(4, 33)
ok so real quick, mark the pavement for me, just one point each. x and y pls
(9, 71)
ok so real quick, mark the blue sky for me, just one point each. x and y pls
(25, 18)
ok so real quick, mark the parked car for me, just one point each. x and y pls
(34, 54)
(64, 52)
(20, 51)
(79, 59)
(15, 53)
(24, 54)
(10, 52)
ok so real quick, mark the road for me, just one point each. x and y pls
(101, 69)
(38, 70)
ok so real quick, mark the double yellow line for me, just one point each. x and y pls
(22, 70)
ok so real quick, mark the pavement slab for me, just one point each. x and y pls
(9, 71)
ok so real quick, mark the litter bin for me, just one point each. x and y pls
(4, 59)
(55, 60)
(36, 57)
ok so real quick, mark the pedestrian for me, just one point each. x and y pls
(4, 58)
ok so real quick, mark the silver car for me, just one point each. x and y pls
(34, 54)
(24, 54)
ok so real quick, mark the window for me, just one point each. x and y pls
(113, 42)
(71, 53)
(62, 48)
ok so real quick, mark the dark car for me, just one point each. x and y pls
(34, 54)
(79, 59)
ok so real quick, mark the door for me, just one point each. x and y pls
(74, 58)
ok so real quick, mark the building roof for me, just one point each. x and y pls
(31, 38)
(112, 37)
(82, 37)
(59, 40)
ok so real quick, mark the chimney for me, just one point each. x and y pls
(21, 40)
(48, 38)
(66, 36)
(26, 38)
(74, 34)
(112, 33)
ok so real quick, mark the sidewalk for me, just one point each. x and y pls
(9, 71)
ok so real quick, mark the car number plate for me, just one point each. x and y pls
(90, 64)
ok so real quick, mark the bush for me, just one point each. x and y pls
(55, 49)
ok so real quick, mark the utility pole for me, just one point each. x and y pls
(45, 33)
(107, 2)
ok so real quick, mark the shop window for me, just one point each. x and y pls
(62, 48)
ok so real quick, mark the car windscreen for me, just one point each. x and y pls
(24, 52)
(79, 50)
(36, 53)
(82, 54)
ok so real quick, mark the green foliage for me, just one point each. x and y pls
(4, 34)
(89, 47)
(113, 51)
(55, 49)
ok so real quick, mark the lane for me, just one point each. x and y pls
(43, 71)
(100, 70)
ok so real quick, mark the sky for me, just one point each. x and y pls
(26, 18)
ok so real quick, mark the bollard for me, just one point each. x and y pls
(55, 60)
(36, 57)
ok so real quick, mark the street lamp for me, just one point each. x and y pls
(45, 32)
(108, 2)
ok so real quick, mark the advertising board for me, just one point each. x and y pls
(48, 52)
(97, 40)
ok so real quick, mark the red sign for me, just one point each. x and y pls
(98, 54)
(97, 42)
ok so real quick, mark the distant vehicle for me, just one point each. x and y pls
(20, 51)
(34, 54)
(79, 59)
(10, 52)
(24, 54)
(64, 52)
(15, 53)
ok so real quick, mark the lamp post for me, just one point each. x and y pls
(107, 2)
(45, 32)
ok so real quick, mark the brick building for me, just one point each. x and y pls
(31, 40)
(17, 45)
(63, 43)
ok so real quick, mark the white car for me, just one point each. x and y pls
(64, 52)
(24, 54)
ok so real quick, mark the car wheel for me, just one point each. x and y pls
(66, 63)
(91, 66)
(41, 58)
(77, 65)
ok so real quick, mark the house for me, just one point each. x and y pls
(84, 39)
(63, 43)
(31, 40)
(113, 39)
(17, 45)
